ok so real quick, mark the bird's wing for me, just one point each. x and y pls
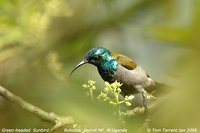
(124, 61)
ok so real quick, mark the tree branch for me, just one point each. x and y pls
(59, 121)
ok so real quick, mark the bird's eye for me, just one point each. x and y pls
(96, 58)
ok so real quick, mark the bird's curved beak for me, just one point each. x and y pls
(79, 64)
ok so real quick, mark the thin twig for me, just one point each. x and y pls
(59, 121)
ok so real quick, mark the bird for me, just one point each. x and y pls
(118, 67)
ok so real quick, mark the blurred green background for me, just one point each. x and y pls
(41, 42)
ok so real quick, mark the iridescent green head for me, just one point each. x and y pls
(96, 56)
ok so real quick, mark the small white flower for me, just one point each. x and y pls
(85, 86)
(130, 97)
(107, 84)
(93, 88)
(91, 82)
(128, 104)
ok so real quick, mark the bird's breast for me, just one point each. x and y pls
(131, 79)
